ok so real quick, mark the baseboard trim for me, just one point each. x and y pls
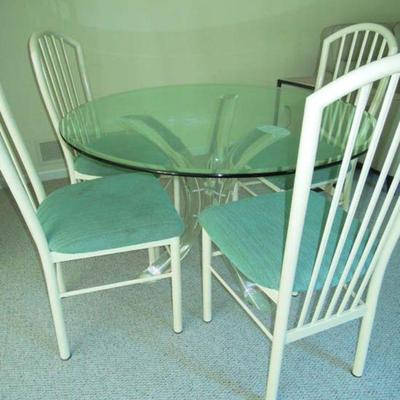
(45, 176)
(53, 174)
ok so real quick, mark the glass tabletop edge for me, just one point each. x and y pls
(203, 175)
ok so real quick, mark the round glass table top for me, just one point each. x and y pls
(210, 130)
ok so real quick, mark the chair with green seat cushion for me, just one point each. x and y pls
(304, 242)
(59, 68)
(251, 234)
(111, 215)
(342, 51)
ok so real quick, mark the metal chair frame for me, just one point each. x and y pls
(355, 297)
(355, 45)
(16, 165)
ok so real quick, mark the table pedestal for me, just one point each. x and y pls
(191, 196)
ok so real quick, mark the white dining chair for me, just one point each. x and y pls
(305, 241)
(60, 72)
(343, 51)
(116, 214)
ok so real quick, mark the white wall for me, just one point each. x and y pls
(132, 43)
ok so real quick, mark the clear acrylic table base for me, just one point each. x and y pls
(191, 196)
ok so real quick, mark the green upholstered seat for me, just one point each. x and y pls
(251, 233)
(108, 213)
(320, 176)
(90, 166)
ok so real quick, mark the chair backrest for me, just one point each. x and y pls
(60, 71)
(20, 175)
(351, 47)
(375, 228)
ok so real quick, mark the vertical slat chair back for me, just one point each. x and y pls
(343, 51)
(20, 175)
(352, 47)
(60, 71)
(377, 224)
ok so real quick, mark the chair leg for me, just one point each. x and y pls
(364, 337)
(275, 365)
(176, 286)
(279, 340)
(154, 253)
(56, 309)
(348, 185)
(177, 195)
(60, 278)
(235, 192)
(206, 261)
(72, 176)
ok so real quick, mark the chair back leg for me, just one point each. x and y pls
(348, 185)
(363, 343)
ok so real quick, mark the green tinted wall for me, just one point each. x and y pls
(137, 43)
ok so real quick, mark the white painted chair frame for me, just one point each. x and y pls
(383, 43)
(63, 89)
(352, 299)
(63, 83)
(27, 202)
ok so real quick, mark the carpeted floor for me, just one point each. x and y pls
(124, 347)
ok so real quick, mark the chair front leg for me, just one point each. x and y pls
(278, 342)
(275, 365)
(60, 278)
(176, 285)
(206, 262)
(53, 291)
